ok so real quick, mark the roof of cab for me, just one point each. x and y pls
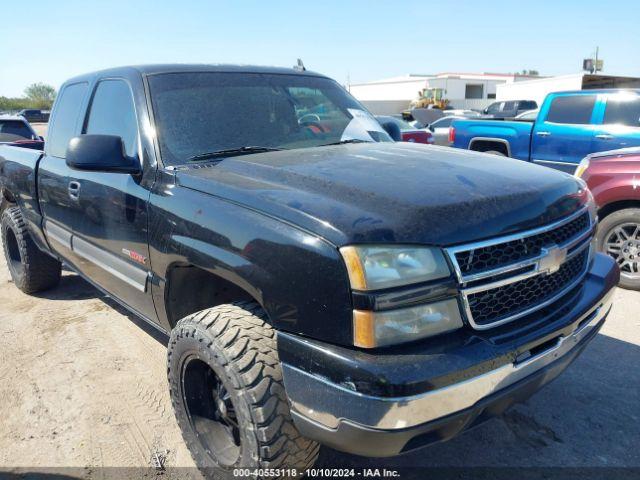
(155, 69)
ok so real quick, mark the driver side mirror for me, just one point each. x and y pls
(431, 128)
(100, 153)
(393, 130)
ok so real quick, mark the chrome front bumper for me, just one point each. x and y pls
(330, 406)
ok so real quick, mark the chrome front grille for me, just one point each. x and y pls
(506, 278)
(494, 256)
(489, 306)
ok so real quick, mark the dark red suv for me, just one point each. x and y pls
(614, 179)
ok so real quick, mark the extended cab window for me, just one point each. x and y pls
(113, 113)
(65, 119)
(623, 109)
(573, 109)
(198, 113)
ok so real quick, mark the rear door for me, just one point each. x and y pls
(110, 228)
(58, 208)
(509, 109)
(620, 122)
(563, 134)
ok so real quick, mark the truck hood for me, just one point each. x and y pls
(391, 192)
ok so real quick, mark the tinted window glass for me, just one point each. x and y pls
(574, 109)
(442, 123)
(509, 106)
(112, 113)
(66, 119)
(13, 128)
(494, 108)
(199, 113)
(623, 110)
(528, 105)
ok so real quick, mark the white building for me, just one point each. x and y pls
(539, 88)
(463, 90)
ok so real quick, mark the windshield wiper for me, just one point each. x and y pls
(231, 152)
(342, 142)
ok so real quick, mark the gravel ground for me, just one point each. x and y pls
(82, 387)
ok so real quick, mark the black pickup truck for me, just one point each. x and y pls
(320, 283)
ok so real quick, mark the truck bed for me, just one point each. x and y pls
(18, 174)
(515, 132)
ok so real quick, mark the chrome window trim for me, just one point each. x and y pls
(582, 241)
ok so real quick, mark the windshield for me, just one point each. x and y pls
(200, 113)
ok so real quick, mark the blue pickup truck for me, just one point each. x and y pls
(570, 126)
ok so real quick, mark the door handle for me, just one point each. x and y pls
(543, 134)
(604, 136)
(74, 190)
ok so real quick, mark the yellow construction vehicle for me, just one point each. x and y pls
(431, 98)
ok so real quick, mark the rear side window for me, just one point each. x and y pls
(9, 129)
(528, 105)
(113, 113)
(574, 109)
(623, 110)
(508, 106)
(65, 121)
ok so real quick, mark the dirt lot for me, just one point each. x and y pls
(83, 386)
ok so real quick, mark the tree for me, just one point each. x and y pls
(530, 72)
(40, 95)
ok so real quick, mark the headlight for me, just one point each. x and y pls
(375, 267)
(376, 329)
(582, 167)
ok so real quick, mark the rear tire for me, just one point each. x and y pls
(228, 395)
(31, 269)
(611, 240)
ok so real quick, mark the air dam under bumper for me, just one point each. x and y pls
(385, 426)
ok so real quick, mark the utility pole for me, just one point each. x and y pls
(595, 64)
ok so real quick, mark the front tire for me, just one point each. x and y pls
(619, 237)
(228, 395)
(31, 269)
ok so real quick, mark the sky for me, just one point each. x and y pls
(357, 41)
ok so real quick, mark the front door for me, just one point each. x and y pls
(563, 134)
(620, 126)
(110, 244)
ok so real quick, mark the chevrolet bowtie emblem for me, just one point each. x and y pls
(552, 259)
